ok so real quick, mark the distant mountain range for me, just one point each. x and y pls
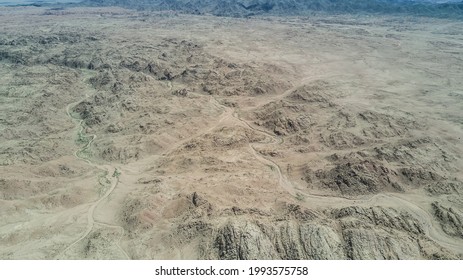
(35, 2)
(243, 8)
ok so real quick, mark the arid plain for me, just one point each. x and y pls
(135, 135)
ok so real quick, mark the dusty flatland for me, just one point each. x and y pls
(135, 135)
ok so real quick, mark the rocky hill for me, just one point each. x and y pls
(129, 134)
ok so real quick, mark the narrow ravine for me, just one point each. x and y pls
(113, 179)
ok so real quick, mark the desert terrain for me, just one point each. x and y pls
(157, 135)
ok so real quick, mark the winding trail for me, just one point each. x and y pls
(121, 229)
(114, 182)
(432, 230)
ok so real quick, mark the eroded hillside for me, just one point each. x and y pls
(164, 136)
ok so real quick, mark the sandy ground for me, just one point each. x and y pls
(128, 135)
